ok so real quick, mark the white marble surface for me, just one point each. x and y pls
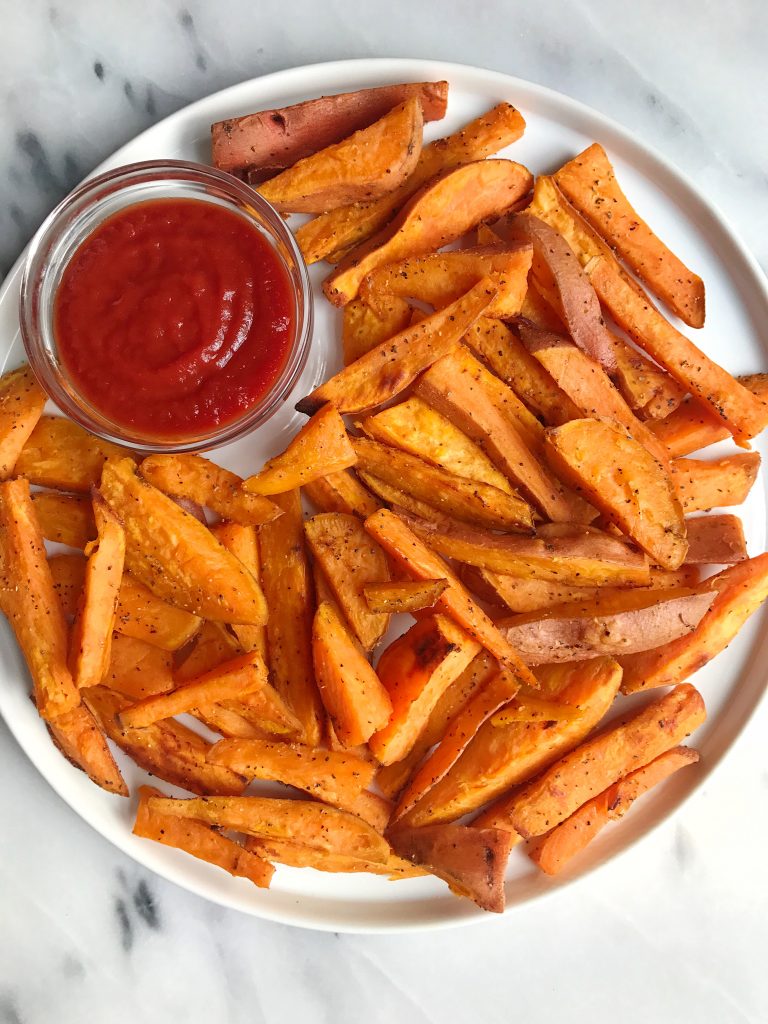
(676, 929)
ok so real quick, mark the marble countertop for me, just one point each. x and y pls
(677, 927)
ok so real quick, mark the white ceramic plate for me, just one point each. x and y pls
(737, 303)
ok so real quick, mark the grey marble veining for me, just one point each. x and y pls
(677, 928)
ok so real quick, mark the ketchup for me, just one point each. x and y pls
(174, 316)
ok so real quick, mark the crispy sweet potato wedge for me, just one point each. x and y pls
(142, 615)
(167, 750)
(29, 601)
(350, 559)
(288, 588)
(416, 669)
(243, 543)
(571, 836)
(740, 590)
(320, 447)
(440, 212)
(137, 669)
(401, 500)
(68, 575)
(270, 140)
(530, 708)
(386, 370)
(703, 484)
(601, 761)
(353, 695)
(625, 481)
(715, 540)
(341, 229)
(296, 855)
(363, 329)
(65, 518)
(214, 644)
(423, 564)
(403, 595)
(62, 455)
(202, 481)
(589, 183)
(176, 556)
(341, 492)
(498, 758)
(21, 405)
(79, 738)
(199, 840)
(362, 167)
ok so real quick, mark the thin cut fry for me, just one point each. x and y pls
(21, 405)
(403, 595)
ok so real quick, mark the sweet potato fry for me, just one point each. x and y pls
(423, 564)
(471, 501)
(341, 229)
(402, 595)
(341, 492)
(202, 481)
(297, 856)
(168, 750)
(78, 737)
(61, 455)
(21, 405)
(439, 278)
(740, 589)
(401, 500)
(589, 183)
(363, 329)
(300, 821)
(350, 559)
(601, 761)
(142, 615)
(137, 669)
(176, 556)
(243, 543)
(702, 485)
(271, 140)
(65, 518)
(199, 840)
(498, 758)
(288, 588)
(471, 861)
(646, 388)
(570, 837)
(715, 540)
(530, 708)
(353, 695)
(440, 212)
(214, 644)
(416, 670)
(320, 447)
(386, 370)
(625, 481)
(68, 575)
(362, 167)
(29, 601)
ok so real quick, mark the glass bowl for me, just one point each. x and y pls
(77, 216)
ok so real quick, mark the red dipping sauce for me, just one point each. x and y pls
(174, 316)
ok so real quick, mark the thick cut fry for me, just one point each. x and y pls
(91, 636)
(320, 447)
(350, 559)
(299, 821)
(61, 455)
(78, 737)
(401, 500)
(416, 670)
(582, 556)
(417, 428)
(68, 575)
(65, 518)
(168, 750)
(391, 366)
(270, 140)
(634, 621)
(174, 555)
(243, 543)
(288, 587)
(365, 166)
(599, 762)
(137, 669)
(21, 405)
(29, 601)
(702, 485)
(423, 564)
(471, 861)
(202, 481)
(356, 702)
(363, 329)
(490, 413)
(341, 492)
(142, 615)
(403, 596)
(298, 856)
(341, 229)
(199, 840)
(571, 836)
(625, 481)
(740, 589)
(498, 758)
(471, 501)
(715, 540)
(646, 388)
(589, 183)
(442, 277)
(744, 414)
(440, 212)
